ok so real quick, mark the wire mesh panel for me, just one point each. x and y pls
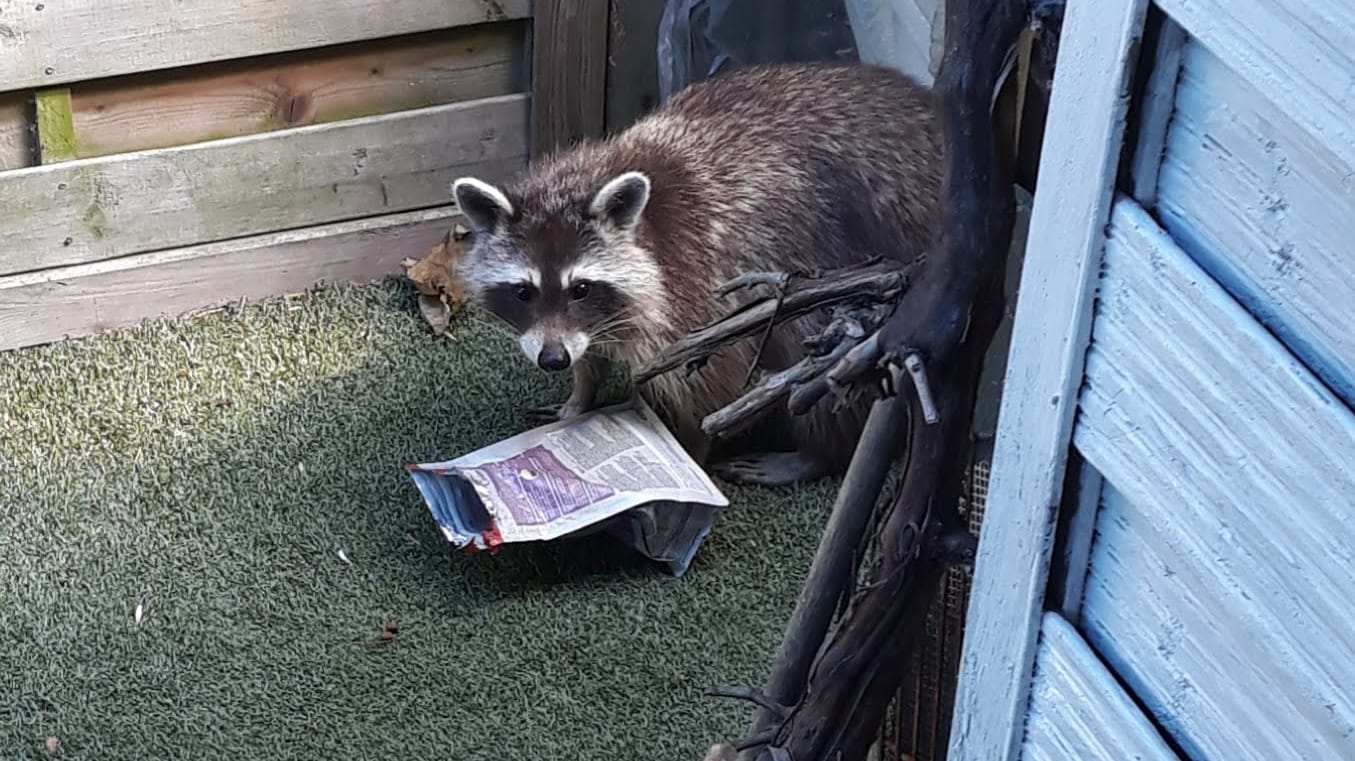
(917, 725)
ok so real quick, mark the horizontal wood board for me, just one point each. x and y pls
(1268, 209)
(1077, 710)
(237, 98)
(94, 209)
(45, 44)
(1083, 138)
(1220, 586)
(71, 302)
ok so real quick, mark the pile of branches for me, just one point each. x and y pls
(915, 339)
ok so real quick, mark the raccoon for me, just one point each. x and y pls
(610, 250)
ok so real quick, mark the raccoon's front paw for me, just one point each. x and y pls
(551, 413)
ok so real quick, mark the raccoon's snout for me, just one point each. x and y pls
(553, 357)
(553, 350)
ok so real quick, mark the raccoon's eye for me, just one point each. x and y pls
(523, 292)
(579, 290)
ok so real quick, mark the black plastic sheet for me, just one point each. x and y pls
(699, 38)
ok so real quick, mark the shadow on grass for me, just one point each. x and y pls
(213, 470)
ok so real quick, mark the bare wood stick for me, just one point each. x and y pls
(736, 416)
(777, 280)
(858, 669)
(830, 573)
(918, 371)
(765, 738)
(854, 365)
(879, 283)
(751, 695)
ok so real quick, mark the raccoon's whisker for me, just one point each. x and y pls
(612, 330)
(605, 342)
(622, 320)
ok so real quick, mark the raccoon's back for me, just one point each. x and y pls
(797, 166)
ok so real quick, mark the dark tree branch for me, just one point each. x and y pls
(862, 286)
(777, 280)
(940, 330)
(830, 574)
(763, 739)
(748, 408)
(751, 695)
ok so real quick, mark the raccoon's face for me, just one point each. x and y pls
(565, 275)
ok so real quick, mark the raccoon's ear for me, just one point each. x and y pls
(622, 199)
(485, 206)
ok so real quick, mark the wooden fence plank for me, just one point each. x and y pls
(16, 132)
(75, 301)
(1268, 210)
(103, 208)
(46, 44)
(569, 72)
(295, 89)
(1078, 711)
(1053, 312)
(1299, 54)
(1220, 587)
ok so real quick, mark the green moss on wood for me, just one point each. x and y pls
(56, 126)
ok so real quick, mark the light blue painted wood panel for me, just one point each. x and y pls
(1227, 671)
(1222, 581)
(1087, 109)
(1077, 710)
(1268, 210)
(1300, 54)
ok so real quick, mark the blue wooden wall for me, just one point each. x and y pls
(1217, 396)
(1204, 607)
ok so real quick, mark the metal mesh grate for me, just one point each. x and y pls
(917, 726)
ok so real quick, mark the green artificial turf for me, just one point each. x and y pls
(212, 469)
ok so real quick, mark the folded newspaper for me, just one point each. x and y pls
(617, 469)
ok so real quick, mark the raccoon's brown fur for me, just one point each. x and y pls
(792, 167)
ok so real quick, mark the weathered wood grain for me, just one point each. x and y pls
(569, 72)
(93, 209)
(1077, 710)
(1225, 672)
(1049, 337)
(16, 132)
(69, 302)
(1221, 584)
(46, 44)
(1299, 54)
(296, 89)
(1268, 210)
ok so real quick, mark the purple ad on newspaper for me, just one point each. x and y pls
(537, 488)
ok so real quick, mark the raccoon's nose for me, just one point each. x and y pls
(553, 357)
